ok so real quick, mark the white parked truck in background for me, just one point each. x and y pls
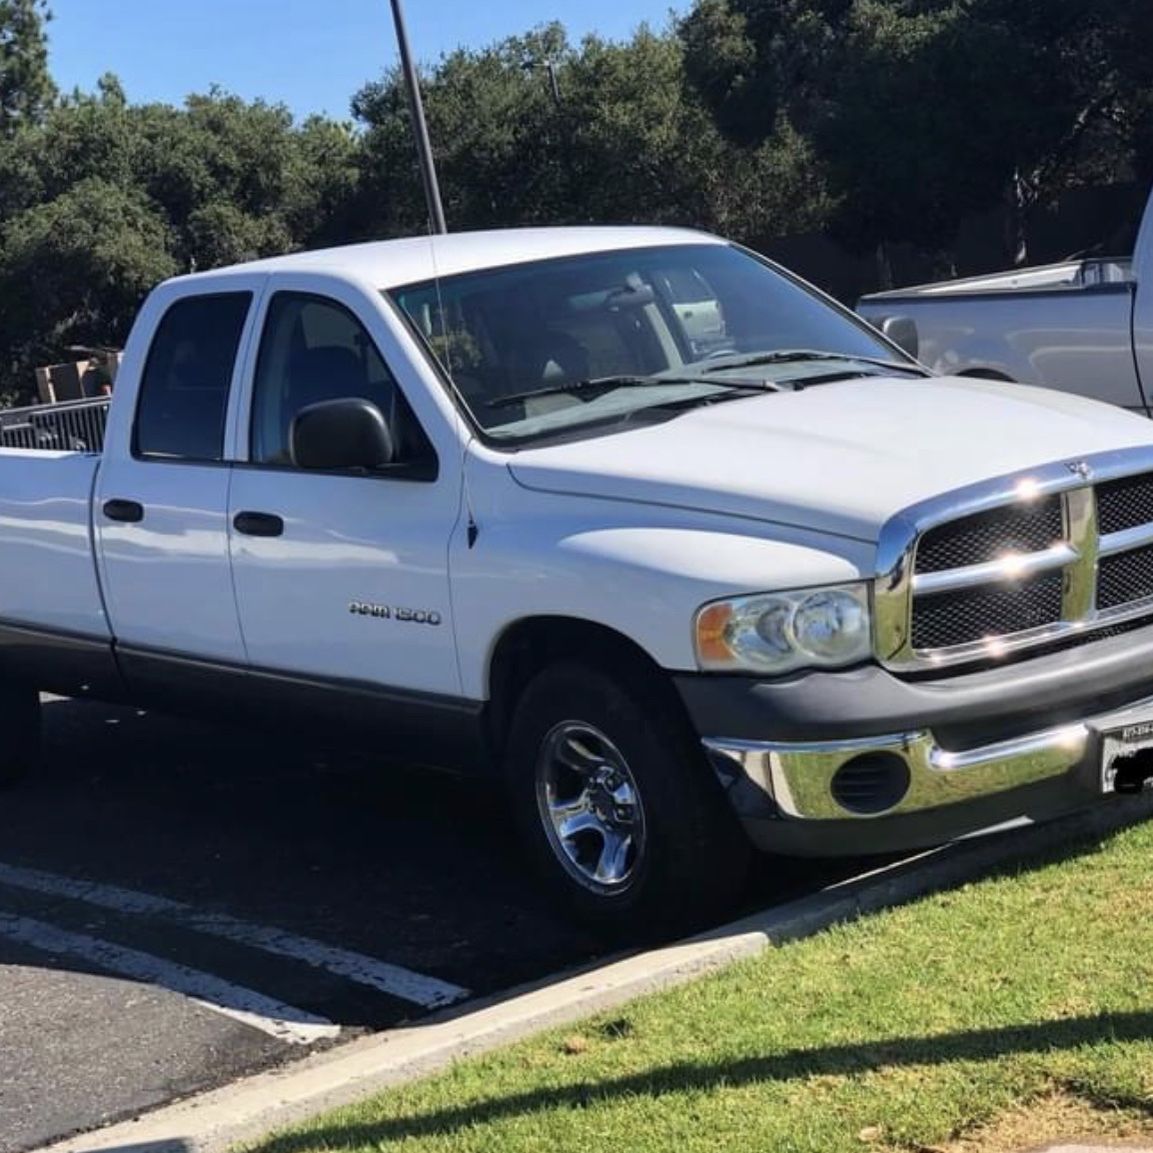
(1083, 326)
(495, 502)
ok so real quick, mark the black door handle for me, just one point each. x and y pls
(258, 524)
(129, 511)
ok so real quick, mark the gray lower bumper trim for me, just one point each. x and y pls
(1039, 693)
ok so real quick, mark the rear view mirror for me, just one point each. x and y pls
(902, 331)
(349, 433)
(634, 293)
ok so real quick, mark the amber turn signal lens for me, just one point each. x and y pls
(711, 624)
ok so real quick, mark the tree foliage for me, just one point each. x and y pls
(875, 121)
(535, 130)
(26, 88)
(922, 112)
(103, 198)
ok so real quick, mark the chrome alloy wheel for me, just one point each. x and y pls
(590, 806)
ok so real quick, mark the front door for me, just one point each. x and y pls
(342, 577)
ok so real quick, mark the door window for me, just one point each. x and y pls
(183, 401)
(313, 350)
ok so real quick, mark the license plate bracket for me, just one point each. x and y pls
(1120, 749)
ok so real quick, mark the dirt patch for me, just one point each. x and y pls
(1059, 1118)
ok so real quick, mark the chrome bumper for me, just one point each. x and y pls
(911, 773)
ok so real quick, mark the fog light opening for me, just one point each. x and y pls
(872, 783)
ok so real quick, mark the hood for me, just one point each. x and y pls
(837, 458)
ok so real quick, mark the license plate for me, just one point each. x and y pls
(1121, 743)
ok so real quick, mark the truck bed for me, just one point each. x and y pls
(1069, 275)
(72, 426)
(1061, 334)
(49, 457)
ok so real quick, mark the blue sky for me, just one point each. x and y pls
(309, 54)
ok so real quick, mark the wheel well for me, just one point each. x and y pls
(530, 645)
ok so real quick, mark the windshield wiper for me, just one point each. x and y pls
(608, 383)
(792, 355)
(704, 375)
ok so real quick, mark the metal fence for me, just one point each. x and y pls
(72, 426)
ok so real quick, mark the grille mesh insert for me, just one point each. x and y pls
(985, 536)
(1125, 503)
(1124, 578)
(959, 618)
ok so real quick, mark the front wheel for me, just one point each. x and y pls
(618, 806)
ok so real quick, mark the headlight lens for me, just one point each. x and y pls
(779, 632)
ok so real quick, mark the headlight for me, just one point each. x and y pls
(779, 632)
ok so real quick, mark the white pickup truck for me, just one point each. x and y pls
(489, 502)
(1083, 326)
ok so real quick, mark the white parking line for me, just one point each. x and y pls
(357, 967)
(284, 1022)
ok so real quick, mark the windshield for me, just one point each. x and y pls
(552, 346)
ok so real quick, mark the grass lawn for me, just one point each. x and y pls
(1012, 1010)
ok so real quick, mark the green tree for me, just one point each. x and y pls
(496, 134)
(1083, 82)
(26, 87)
(921, 112)
(74, 270)
(536, 131)
(103, 198)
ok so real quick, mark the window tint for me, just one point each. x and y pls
(314, 349)
(184, 393)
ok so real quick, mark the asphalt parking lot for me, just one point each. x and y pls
(182, 904)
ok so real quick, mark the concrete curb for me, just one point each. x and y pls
(247, 1110)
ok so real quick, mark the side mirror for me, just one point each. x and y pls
(902, 331)
(349, 433)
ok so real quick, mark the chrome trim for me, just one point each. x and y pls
(799, 776)
(1067, 738)
(995, 647)
(1012, 567)
(896, 554)
(1140, 536)
(1079, 596)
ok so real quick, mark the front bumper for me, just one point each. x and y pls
(816, 766)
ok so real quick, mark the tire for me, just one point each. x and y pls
(19, 733)
(618, 807)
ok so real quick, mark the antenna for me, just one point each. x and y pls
(419, 127)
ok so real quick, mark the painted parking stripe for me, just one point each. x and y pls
(394, 980)
(284, 1022)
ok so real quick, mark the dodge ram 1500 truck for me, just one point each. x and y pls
(489, 502)
(1083, 326)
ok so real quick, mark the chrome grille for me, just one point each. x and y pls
(1052, 557)
(988, 535)
(964, 618)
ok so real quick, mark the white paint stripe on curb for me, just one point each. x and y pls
(396, 981)
(281, 1021)
(249, 1109)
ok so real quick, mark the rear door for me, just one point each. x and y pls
(162, 500)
